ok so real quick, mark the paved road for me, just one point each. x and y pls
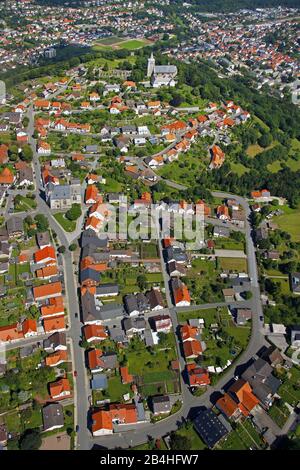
(81, 389)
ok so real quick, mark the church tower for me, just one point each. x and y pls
(151, 65)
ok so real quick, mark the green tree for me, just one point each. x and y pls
(31, 440)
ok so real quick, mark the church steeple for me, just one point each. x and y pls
(151, 65)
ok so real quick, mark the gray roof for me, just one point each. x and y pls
(155, 298)
(56, 339)
(88, 237)
(111, 310)
(109, 361)
(43, 238)
(14, 225)
(61, 191)
(89, 273)
(99, 382)
(117, 334)
(161, 404)
(131, 304)
(53, 415)
(134, 323)
(106, 289)
(172, 69)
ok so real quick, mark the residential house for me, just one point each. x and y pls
(161, 405)
(210, 427)
(53, 416)
(60, 389)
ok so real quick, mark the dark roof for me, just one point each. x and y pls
(88, 307)
(155, 298)
(53, 415)
(56, 339)
(14, 225)
(161, 404)
(88, 237)
(91, 274)
(106, 289)
(131, 304)
(209, 427)
(111, 310)
(43, 238)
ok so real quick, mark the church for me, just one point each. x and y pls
(161, 75)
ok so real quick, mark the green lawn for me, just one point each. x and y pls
(25, 204)
(279, 413)
(239, 168)
(132, 44)
(189, 432)
(234, 264)
(290, 222)
(289, 391)
(67, 225)
(243, 437)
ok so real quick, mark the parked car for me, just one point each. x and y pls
(75, 373)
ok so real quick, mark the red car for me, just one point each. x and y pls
(75, 373)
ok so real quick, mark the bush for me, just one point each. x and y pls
(31, 440)
(74, 213)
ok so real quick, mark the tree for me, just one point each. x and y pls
(27, 154)
(31, 440)
(179, 442)
(61, 249)
(73, 247)
(142, 281)
(74, 213)
(41, 223)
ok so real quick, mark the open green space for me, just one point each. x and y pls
(279, 413)
(289, 390)
(67, 225)
(289, 221)
(234, 264)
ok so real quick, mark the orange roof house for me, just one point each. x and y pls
(223, 212)
(94, 359)
(54, 308)
(11, 332)
(94, 333)
(6, 176)
(101, 423)
(91, 194)
(192, 349)
(125, 376)
(60, 389)
(53, 289)
(228, 407)
(47, 272)
(56, 358)
(123, 413)
(45, 255)
(43, 104)
(197, 376)
(188, 333)
(29, 327)
(242, 392)
(52, 324)
(182, 296)
(218, 157)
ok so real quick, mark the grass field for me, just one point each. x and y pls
(67, 225)
(120, 43)
(293, 160)
(234, 264)
(290, 222)
(239, 168)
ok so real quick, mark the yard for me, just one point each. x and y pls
(150, 366)
(244, 437)
(224, 345)
(234, 264)
(203, 281)
(289, 391)
(279, 413)
(24, 204)
(114, 392)
(67, 225)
